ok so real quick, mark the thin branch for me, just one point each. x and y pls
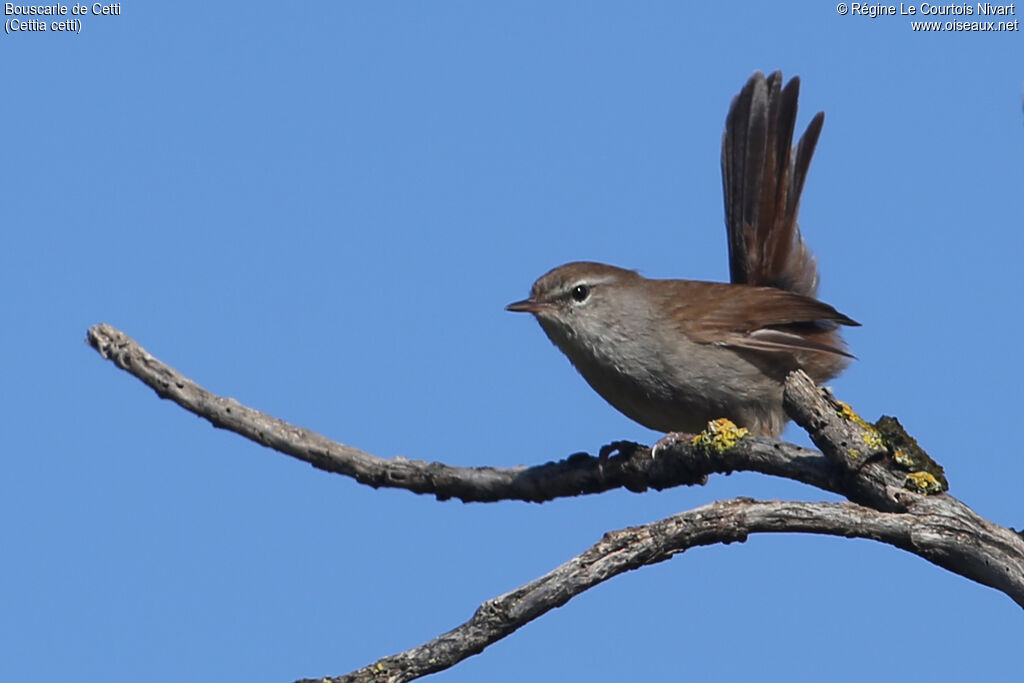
(854, 462)
(632, 467)
(934, 535)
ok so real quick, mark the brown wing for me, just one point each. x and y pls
(763, 318)
(762, 180)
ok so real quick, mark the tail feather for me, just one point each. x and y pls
(762, 178)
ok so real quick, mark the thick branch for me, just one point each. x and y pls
(852, 445)
(632, 468)
(935, 535)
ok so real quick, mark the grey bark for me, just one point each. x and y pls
(854, 462)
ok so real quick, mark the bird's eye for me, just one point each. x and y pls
(580, 293)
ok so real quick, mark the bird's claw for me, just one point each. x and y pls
(668, 441)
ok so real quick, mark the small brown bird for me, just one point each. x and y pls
(676, 354)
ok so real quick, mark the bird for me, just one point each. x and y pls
(673, 354)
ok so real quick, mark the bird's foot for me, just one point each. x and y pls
(624, 448)
(669, 440)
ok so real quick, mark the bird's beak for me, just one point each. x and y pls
(526, 306)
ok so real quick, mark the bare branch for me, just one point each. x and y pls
(855, 462)
(935, 535)
(851, 444)
(632, 468)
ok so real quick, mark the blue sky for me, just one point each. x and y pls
(322, 214)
